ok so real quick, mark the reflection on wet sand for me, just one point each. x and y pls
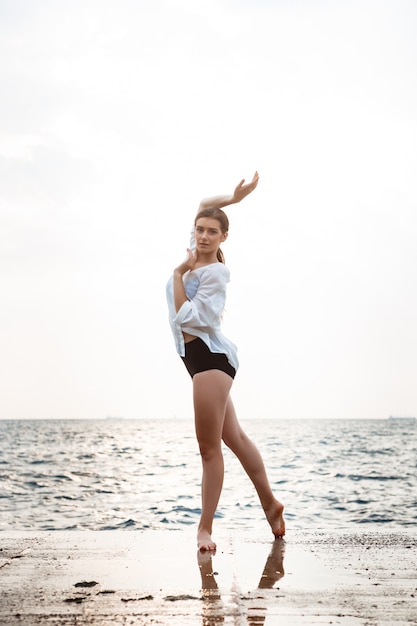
(214, 611)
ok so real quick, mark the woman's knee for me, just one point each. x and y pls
(209, 450)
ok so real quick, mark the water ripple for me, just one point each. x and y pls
(127, 474)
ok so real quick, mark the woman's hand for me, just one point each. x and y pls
(187, 264)
(179, 290)
(243, 190)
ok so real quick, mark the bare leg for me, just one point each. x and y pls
(210, 392)
(248, 454)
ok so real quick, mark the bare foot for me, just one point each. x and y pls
(275, 518)
(204, 541)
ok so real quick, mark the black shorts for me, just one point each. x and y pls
(199, 358)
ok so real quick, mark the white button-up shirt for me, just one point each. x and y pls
(201, 314)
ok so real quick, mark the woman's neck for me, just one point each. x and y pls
(206, 259)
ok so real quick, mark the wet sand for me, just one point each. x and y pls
(158, 577)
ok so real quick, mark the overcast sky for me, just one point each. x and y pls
(117, 117)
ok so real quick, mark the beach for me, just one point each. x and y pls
(157, 577)
(98, 522)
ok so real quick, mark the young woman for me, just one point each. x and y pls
(196, 297)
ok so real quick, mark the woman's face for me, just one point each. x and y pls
(208, 234)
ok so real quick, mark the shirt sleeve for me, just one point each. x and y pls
(204, 310)
(192, 240)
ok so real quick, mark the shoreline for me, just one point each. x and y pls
(144, 577)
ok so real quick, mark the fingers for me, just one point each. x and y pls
(192, 258)
(255, 179)
(242, 190)
(252, 184)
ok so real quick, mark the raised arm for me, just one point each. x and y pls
(241, 191)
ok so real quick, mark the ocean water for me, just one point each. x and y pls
(138, 474)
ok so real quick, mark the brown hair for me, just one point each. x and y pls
(223, 220)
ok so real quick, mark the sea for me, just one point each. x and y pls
(126, 474)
